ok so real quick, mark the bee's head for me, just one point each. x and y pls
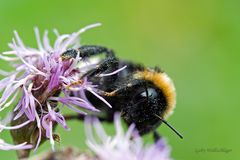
(152, 95)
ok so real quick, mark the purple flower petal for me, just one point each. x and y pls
(14, 127)
(47, 122)
(114, 72)
(99, 97)
(5, 146)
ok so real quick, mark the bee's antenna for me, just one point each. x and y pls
(165, 122)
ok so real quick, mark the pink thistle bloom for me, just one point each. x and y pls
(40, 76)
(127, 146)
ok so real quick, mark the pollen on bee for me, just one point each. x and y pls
(79, 82)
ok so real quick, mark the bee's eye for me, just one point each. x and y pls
(144, 94)
(152, 93)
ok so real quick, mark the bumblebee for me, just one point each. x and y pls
(143, 96)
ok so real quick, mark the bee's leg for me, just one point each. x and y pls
(87, 51)
(123, 88)
(74, 117)
(156, 136)
(81, 117)
(108, 65)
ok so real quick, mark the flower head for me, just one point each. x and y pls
(127, 146)
(40, 76)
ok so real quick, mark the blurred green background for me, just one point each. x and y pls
(196, 42)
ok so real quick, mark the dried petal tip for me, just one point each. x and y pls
(63, 154)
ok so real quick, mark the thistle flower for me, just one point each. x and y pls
(127, 146)
(40, 76)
